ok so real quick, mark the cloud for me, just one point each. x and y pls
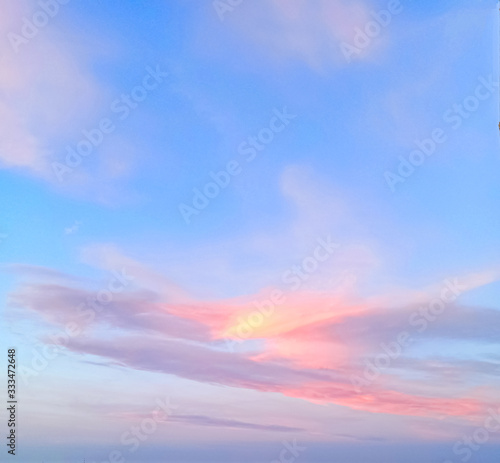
(116, 411)
(205, 365)
(292, 31)
(73, 229)
(200, 420)
(134, 311)
(36, 271)
(109, 257)
(44, 84)
(309, 349)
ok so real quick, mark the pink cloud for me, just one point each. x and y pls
(309, 348)
(292, 31)
(47, 90)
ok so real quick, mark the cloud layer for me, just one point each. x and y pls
(310, 346)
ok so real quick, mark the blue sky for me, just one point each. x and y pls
(205, 84)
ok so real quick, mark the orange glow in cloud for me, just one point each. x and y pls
(312, 344)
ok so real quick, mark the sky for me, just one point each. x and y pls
(251, 230)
